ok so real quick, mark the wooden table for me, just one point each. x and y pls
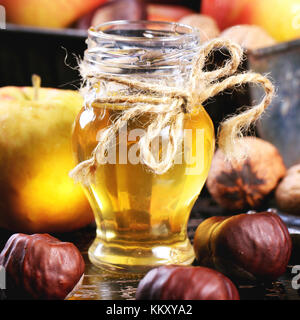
(100, 285)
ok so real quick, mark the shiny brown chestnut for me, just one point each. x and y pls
(40, 266)
(252, 246)
(186, 283)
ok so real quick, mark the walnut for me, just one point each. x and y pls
(245, 184)
(248, 36)
(288, 191)
(206, 25)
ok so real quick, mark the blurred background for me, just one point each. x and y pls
(46, 38)
(43, 36)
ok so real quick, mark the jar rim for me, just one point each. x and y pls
(127, 47)
(174, 27)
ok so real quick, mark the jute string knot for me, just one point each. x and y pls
(168, 106)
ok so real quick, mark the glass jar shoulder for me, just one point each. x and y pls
(199, 119)
(91, 120)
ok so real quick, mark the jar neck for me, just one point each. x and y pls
(143, 49)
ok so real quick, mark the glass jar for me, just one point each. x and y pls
(142, 216)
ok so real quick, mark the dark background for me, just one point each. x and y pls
(48, 53)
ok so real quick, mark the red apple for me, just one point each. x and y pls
(228, 12)
(160, 12)
(280, 18)
(47, 13)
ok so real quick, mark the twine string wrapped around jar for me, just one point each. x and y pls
(168, 106)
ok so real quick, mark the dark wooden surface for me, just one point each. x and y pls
(100, 285)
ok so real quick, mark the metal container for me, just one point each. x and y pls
(281, 122)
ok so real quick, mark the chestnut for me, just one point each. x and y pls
(40, 266)
(185, 283)
(252, 246)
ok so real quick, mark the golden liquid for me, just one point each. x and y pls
(142, 217)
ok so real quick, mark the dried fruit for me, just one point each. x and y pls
(288, 191)
(248, 36)
(186, 283)
(245, 184)
(206, 25)
(254, 246)
(40, 266)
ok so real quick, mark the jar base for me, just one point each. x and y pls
(133, 259)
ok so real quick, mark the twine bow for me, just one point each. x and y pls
(168, 105)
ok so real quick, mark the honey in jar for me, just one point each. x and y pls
(141, 216)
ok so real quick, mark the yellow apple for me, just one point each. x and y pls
(47, 13)
(36, 193)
